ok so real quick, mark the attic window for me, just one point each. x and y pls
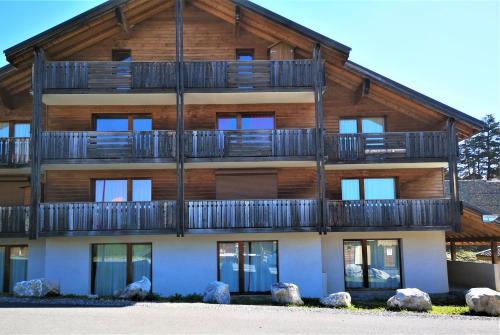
(121, 55)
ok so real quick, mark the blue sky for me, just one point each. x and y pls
(449, 50)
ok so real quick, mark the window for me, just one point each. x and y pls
(4, 129)
(123, 123)
(372, 264)
(245, 121)
(15, 129)
(114, 266)
(123, 55)
(368, 189)
(248, 266)
(118, 190)
(13, 266)
(244, 71)
(366, 125)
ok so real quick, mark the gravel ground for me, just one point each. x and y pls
(161, 318)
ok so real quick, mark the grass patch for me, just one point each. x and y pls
(451, 310)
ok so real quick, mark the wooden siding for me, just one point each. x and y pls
(13, 192)
(410, 183)
(75, 186)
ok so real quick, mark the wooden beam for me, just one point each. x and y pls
(179, 58)
(237, 19)
(453, 175)
(122, 20)
(363, 90)
(36, 141)
(7, 99)
(453, 251)
(494, 252)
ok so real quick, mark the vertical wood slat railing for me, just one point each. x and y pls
(14, 220)
(250, 143)
(399, 213)
(69, 145)
(251, 214)
(107, 216)
(161, 75)
(403, 145)
(14, 151)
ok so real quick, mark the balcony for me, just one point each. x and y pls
(399, 214)
(14, 221)
(251, 215)
(107, 218)
(430, 146)
(250, 145)
(154, 83)
(65, 147)
(14, 152)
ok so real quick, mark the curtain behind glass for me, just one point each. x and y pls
(110, 190)
(261, 268)
(384, 270)
(229, 265)
(110, 268)
(2, 267)
(379, 188)
(350, 189)
(141, 261)
(18, 265)
(141, 190)
(353, 262)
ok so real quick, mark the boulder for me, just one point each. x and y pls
(217, 292)
(339, 299)
(286, 294)
(411, 299)
(36, 288)
(136, 290)
(483, 300)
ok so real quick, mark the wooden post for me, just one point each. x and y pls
(318, 83)
(494, 252)
(36, 140)
(453, 251)
(179, 57)
(453, 175)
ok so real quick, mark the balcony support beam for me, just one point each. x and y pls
(453, 175)
(363, 90)
(318, 83)
(179, 58)
(36, 140)
(122, 21)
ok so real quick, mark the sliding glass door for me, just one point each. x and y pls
(248, 267)
(13, 266)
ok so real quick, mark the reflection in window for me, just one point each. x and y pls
(350, 189)
(372, 125)
(112, 124)
(142, 124)
(353, 262)
(18, 265)
(227, 123)
(348, 126)
(141, 190)
(4, 129)
(379, 188)
(22, 130)
(257, 122)
(110, 190)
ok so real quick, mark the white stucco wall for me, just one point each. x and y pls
(423, 257)
(185, 265)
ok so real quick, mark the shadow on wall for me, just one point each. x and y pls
(468, 274)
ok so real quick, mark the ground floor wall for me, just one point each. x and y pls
(186, 265)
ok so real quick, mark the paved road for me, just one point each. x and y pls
(199, 318)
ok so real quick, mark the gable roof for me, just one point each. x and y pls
(22, 50)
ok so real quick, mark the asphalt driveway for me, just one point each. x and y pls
(161, 318)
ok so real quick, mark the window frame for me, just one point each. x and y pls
(359, 120)
(129, 117)
(6, 270)
(362, 185)
(93, 265)
(241, 264)
(364, 252)
(129, 186)
(244, 52)
(12, 125)
(240, 115)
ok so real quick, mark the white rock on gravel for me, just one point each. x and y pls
(339, 299)
(286, 294)
(36, 288)
(483, 300)
(137, 290)
(411, 299)
(217, 292)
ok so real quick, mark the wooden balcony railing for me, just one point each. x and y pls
(431, 145)
(14, 151)
(122, 76)
(251, 214)
(389, 214)
(250, 143)
(107, 217)
(14, 220)
(72, 145)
